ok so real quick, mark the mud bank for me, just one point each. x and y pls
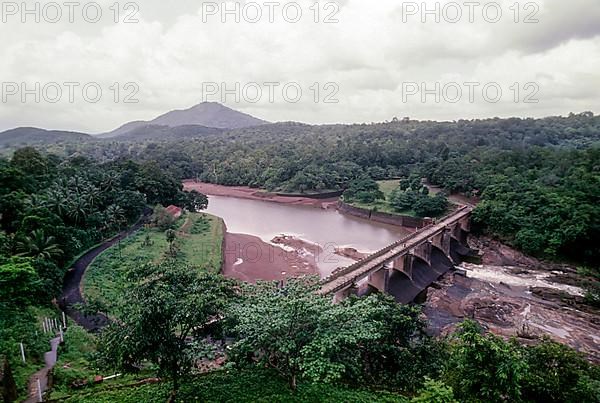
(351, 253)
(244, 192)
(250, 259)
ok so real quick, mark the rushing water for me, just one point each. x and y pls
(504, 274)
(327, 228)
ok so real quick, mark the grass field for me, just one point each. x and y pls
(199, 241)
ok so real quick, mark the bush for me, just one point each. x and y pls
(162, 219)
(555, 373)
(435, 391)
(484, 367)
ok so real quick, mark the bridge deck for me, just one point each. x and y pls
(364, 267)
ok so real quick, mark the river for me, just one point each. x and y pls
(325, 229)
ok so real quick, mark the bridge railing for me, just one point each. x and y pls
(345, 270)
(348, 269)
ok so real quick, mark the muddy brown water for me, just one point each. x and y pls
(325, 227)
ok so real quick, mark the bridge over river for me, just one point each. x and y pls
(407, 266)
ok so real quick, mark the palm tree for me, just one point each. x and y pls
(56, 200)
(109, 182)
(77, 209)
(39, 246)
(92, 197)
(115, 218)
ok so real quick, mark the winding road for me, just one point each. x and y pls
(71, 292)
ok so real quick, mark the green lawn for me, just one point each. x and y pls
(388, 186)
(199, 239)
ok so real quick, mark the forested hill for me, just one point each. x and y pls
(23, 136)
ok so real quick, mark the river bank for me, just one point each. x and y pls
(245, 192)
(267, 237)
(248, 258)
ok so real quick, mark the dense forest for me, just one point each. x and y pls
(51, 210)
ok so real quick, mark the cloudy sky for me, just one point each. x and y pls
(352, 60)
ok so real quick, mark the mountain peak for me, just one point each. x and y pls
(208, 114)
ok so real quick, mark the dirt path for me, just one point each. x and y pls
(71, 293)
(50, 359)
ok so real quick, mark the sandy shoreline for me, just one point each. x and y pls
(245, 192)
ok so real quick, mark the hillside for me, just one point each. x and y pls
(156, 132)
(33, 136)
(208, 114)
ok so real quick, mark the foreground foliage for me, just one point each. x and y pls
(165, 319)
(304, 336)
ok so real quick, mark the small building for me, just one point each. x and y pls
(174, 211)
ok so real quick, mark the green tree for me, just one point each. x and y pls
(19, 282)
(483, 367)
(171, 236)
(166, 319)
(303, 335)
(369, 340)
(30, 161)
(426, 206)
(39, 246)
(403, 200)
(193, 201)
(363, 189)
(435, 392)
(554, 372)
(276, 324)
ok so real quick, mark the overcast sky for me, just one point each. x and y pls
(373, 57)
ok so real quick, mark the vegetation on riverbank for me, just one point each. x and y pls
(408, 197)
(537, 178)
(198, 242)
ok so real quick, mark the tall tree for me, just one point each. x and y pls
(166, 320)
